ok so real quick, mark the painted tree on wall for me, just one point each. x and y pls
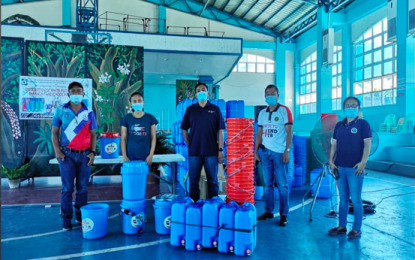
(117, 72)
(12, 149)
(48, 59)
(185, 89)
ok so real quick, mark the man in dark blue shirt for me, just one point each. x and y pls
(350, 150)
(205, 141)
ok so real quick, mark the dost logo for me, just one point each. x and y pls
(276, 119)
(353, 130)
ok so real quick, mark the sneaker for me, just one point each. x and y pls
(354, 234)
(337, 231)
(283, 221)
(265, 216)
(66, 224)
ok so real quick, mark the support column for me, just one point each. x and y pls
(297, 67)
(324, 99)
(347, 64)
(284, 73)
(406, 63)
(162, 23)
(66, 13)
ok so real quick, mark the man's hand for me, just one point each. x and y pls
(149, 160)
(125, 158)
(286, 157)
(333, 166)
(220, 157)
(91, 157)
(60, 156)
(257, 159)
(360, 168)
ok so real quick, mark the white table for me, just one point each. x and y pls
(157, 158)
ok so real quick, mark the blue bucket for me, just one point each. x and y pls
(94, 220)
(259, 192)
(110, 145)
(133, 216)
(134, 180)
(162, 215)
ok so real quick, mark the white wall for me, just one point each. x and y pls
(45, 12)
(50, 13)
(177, 18)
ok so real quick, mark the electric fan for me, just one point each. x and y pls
(321, 138)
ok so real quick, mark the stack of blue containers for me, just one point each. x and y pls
(326, 183)
(235, 109)
(133, 207)
(300, 155)
(198, 225)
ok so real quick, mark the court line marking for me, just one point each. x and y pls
(48, 233)
(122, 248)
(104, 251)
(402, 184)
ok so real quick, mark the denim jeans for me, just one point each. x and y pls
(74, 167)
(350, 186)
(275, 171)
(195, 168)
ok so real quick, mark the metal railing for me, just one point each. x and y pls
(136, 23)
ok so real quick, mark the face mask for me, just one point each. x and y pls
(76, 98)
(271, 100)
(202, 96)
(351, 112)
(138, 107)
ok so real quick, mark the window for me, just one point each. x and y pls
(308, 85)
(375, 67)
(254, 64)
(336, 71)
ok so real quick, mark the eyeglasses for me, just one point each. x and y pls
(351, 106)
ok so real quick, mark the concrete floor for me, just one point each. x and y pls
(33, 232)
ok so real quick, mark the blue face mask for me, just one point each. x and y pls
(271, 100)
(76, 98)
(202, 96)
(138, 107)
(351, 112)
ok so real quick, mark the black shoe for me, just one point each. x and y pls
(283, 221)
(66, 224)
(265, 216)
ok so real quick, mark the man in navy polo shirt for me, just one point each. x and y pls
(350, 148)
(205, 141)
(75, 151)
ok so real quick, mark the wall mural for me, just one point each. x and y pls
(185, 89)
(117, 71)
(12, 137)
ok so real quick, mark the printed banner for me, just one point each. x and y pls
(40, 96)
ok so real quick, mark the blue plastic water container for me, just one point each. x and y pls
(94, 220)
(178, 221)
(227, 221)
(298, 173)
(110, 145)
(179, 111)
(133, 216)
(187, 103)
(240, 108)
(134, 180)
(214, 102)
(210, 222)
(162, 216)
(194, 226)
(246, 231)
(259, 192)
(326, 182)
(231, 109)
(222, 107)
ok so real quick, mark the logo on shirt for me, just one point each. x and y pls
(276, 119)
(211, 111)
(270, 132)
(138, 130)
(353, 130)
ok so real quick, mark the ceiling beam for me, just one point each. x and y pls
(226, 5)
(268, 5)
(250, 8)
(276, 12)
(239, 5)
(288, 16)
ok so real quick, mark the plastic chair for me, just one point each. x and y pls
(390, 121)
(398, 126)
